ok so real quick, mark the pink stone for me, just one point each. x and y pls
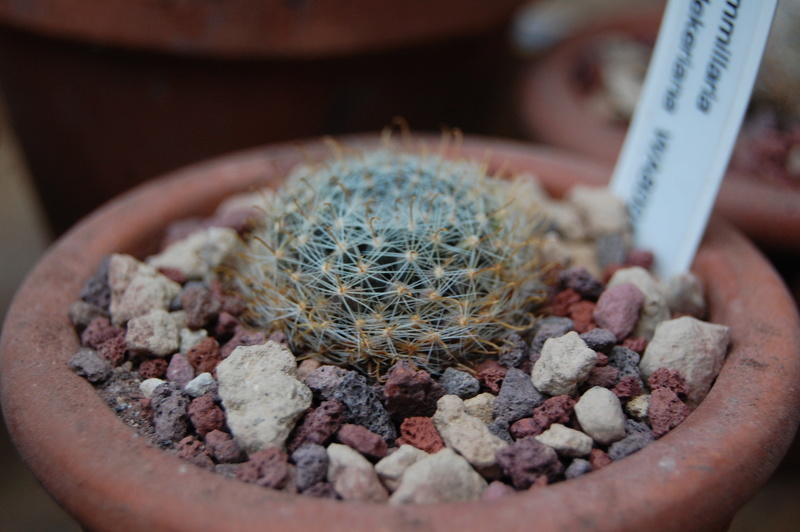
(411, 392)
(268, 468)
(319, 425)
(618, 309)
(192, 450)
(421, 433)
(223, 448)
(179, 370)
(205, 415)
(666, 411)
(362, 440)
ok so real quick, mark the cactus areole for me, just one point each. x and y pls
(386, 255)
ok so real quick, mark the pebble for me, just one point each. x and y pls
(261, 396)
(549, 327)
(268, 468)
(439, 478)
(95, 290)
(497, 490)
(491, 375)
(362, 440)
(200, 385)
(602, 211)
(517, 398)
(148, 386)
(312, 465)
(324, 381)
(153, 368)
(581, 281)
(481, 406)
(82, 313)
(666, 411)
(204, 355)
(137, 288)
(566, 220)
(618, 309)
(153, 333)
(306, 367)
(193, 451)
(626, 361)
(200, 306)
(695, 349)
(525, 427)
(638, 408)
(179, 370)
(459, 383)
(466, 434)
(605, 376)
(556, 409)
(242, 336)
(89, 364)
(599, 339)
(564, 364)
(205, 415)
(319, 425)
(599, 459)
(566, 441)
(410, 392)
(654, 309)
(421, 433)
(684, 294)
(514, 352)
(362, 405)
(190, 338)
(527, 460)
(198, 254)
(352, 476)
(638, 436)
(98, 331)
(578, 467)
(600, 415)
(668, 378)
(224, 448)
(391, 468)
(611, 249)
(170, 413)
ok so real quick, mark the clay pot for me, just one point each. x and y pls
(556, 110)
(694, 478)
(106, 93)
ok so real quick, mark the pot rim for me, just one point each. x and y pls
(768, 214)
(258, 29)
(729, 445)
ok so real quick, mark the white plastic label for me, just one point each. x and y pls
(686, 122)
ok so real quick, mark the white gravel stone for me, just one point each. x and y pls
(190, 338)
(685, 295)
(154, 332)
(655, 308)
(198, 254)
(148, 386)
(564, 364)
(200, 385)
(566, 441)
(696, 349)
(137, 288)
(638, 407)
(390, 469)
(601, 209)
(261, 396)
(466, 434)
(481, 406)
(566, 220)
(352, 476)
(600, 414)
(441, 477)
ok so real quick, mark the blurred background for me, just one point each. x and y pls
(90, 106)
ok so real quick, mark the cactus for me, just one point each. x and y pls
(377, 256)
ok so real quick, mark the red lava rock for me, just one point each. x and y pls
(242, 336)
(98, 331)
(226, 326)
(668, 378)
(581, 315)
(421, 433)
(230, 302)
(200, 306)
(560, 303)
(490, 375)
(627, 388)
(170, 413)
(268, 468)
(618, 309)
(525, 460)
(205, 355)
(643, 258)
(525, 427)
(173, 274)
(496, 490)
(410, 392)
(362, 440)
(205, 415)
(153, 369)
(319, 425)
(114, 349)
(599, 458)
(605, 376)
(602, 359)
(666, 411)
(223, 448)
(556, 409)
(193, 451)
(179, 370)
(637, 343)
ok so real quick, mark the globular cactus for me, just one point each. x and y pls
(383, 255)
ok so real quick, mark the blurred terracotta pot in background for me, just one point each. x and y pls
(105, 94)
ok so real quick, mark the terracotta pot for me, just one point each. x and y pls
(694, 478)
(555, 110)
(106, 94)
